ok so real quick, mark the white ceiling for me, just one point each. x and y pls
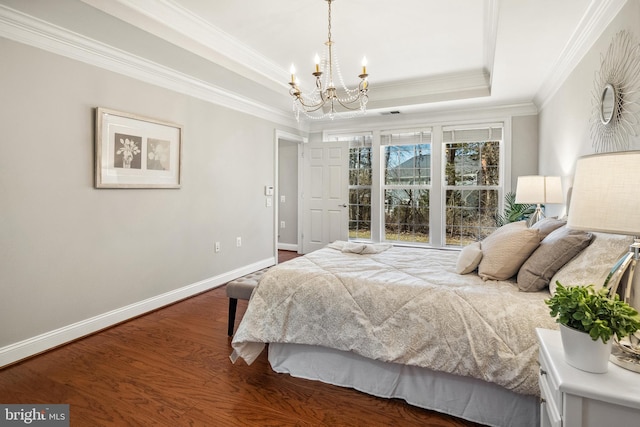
(422, 54)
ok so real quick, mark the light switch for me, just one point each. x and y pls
(268, 190)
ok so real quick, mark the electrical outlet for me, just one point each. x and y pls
(217, 247)
(281, 224)
(238, 241)
(282, 198)
(268, 202)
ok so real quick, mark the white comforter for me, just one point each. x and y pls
(402, 305)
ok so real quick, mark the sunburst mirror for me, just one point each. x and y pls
(616, 108)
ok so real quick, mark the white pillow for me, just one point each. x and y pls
(469, 258)
(594, 263)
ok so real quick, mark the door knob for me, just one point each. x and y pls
(344, 205)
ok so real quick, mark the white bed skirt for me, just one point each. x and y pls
(462, 397)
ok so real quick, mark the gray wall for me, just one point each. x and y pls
(288, 187)
(564, 119)
(70, 252)
(524, 147)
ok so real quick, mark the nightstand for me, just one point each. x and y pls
(571, 397)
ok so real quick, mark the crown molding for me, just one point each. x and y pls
(26, 29)
(599, 15)
(172, 22)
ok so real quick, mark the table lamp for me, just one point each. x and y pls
(537, 189)
(606, 198)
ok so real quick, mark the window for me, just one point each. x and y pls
(360, 162)
(472, 183)
(438, 186)
(407, 181)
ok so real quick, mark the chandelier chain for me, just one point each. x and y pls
(329, 26)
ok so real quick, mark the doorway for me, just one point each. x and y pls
(287, 195)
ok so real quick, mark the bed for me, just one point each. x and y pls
(400, 322)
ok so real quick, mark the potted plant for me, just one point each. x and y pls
(588, 320)
(513, 211)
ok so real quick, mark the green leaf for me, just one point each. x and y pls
(594, 312)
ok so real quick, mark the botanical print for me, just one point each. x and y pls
(127, 151)
(136, 152)
(158, 154)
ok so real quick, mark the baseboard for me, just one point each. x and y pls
(43, 342)
(288, 247)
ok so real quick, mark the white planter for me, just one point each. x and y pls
(581, 352)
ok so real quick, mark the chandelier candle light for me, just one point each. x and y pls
(324, 100)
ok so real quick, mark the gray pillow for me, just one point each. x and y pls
(547, 225)
(555, 250)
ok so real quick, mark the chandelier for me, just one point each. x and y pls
(326, 100)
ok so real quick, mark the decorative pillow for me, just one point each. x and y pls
(594, 263)
(555, 250)
(506, 249)
(547, 225)
(469, 258)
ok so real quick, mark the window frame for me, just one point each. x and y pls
(437, 214)
(423, 131)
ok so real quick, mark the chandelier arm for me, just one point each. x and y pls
(348, 105)
(311, 108)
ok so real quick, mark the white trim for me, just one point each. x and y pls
(598, 16)
(491, 13)
(288, 247)
(32, 31)
(40, 343)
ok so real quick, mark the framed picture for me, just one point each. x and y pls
(136, 152)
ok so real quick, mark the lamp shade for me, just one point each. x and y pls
(553, 189)
(539, 189)
(606, 193)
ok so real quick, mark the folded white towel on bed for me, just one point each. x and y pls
(360, 248)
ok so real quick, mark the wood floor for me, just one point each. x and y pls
(171, 368)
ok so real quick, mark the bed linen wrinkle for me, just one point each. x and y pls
(411, 309)
(497, 336)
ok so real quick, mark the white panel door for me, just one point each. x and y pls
(325, 194)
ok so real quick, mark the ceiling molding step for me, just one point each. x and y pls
(32, 31)
(491, 16)
(444, 87)
(172, 22)
(599, 15)
(377, 120)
